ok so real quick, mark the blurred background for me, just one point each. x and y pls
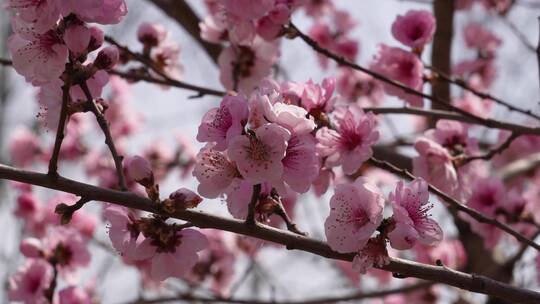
(278, 274)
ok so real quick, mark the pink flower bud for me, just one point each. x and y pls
(107, 58)
(31, 248)
(96, 39)
(182, 199)
(151, 34)
(77, 38)
(139, 170)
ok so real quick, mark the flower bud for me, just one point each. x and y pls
(77, 38)
(151, 34)
(96, 39)
(139, 169)
(31, 248)
(181, 199)
(107, 58)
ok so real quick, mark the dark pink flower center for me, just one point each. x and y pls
(257, 150)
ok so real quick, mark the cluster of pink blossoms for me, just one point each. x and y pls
(279, 138)
(356, 213)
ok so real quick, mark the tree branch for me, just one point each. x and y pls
(457, 205)
(440, 274)
(180, 11)
(488, 122)
(53, 162)
(354, 297)
(108, 137)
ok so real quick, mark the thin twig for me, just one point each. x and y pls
(250, 219)
(463, 84)
(456, 204)
(488, 122)
(108, 137)
(518, 33)
(53, 162)
(444, 275)
(491, 153)
(201, 91)
(514, 128)
(353, 297)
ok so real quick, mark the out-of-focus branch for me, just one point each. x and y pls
(441, 56)
(520, 167)
(439, 274)
(201, 91)
(462, 84)
(180, 11)
(348, 298)
(492, 152)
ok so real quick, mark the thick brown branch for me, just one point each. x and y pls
(440, 274)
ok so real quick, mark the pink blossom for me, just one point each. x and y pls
(477, 36)
(167, 59)
(28, 207)
(213, 29)
(259, 156)
(317, 97)
(30, 282)
(184, 198)
(214, 171)
(124, 119)
(301, 163)
(415, 29)
(49, 98)
(151, 34)
(74, 295)
(43, 14)
(68, 247)
(291, 117)
(107, 58)
(31, 248)
(40, 58)
(412, 223)
(248, 64)
(356, 86)
(139, 169)
(434, 164)
(24, 147)
(453, 135)
(488, 195)
(172, 255)
(350, 143)
(247, 9)
(322, 181)
(98, 11)
(401, 66)
(123, 230)
(356, 210)
(221, 125)
(216, 264)
(77, 38)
